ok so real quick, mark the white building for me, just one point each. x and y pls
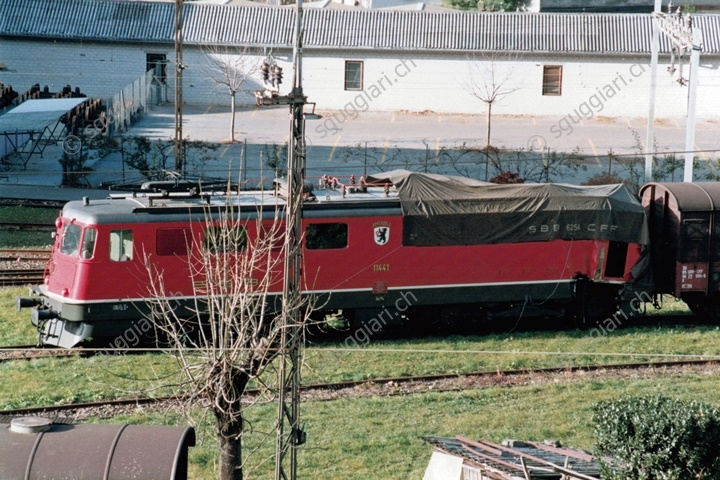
(554, 64)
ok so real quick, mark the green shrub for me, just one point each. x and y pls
(655, 437)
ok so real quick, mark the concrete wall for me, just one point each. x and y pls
(99, 69)
(609, 86)
(203, 82)
(440, 82)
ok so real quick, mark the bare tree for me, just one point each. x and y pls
(490, 82)
(152, 157)
(231, 332)
(547, 166)
(383, 158)
(229, 69)
(464, 159)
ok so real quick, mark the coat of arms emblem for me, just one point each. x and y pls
(381, 235)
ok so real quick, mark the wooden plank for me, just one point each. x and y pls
(565, 452)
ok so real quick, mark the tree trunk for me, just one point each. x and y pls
(230, 440)
(489, 117)
(487, 143)
(229, 427)
(232, 117)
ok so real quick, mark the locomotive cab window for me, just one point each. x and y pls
(88, 243)
(121, 245)
(172, 241)
(225, 240)
(326, 235)
(71, 240)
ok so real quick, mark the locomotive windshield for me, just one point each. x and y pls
(71, 240)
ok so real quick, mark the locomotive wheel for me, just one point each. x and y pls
(705, 307)
(596, 303)
(695, 302)
(712, 308)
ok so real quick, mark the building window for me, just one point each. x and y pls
(121, 245)
(326, 235)
(353, 75)
(157, 62)
(552, 80)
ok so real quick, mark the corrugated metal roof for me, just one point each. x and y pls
(88, 19)
(233, 25)
(124, 21)
(541, 460)
(524, 32)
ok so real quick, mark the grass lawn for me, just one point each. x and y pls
(29, 239)
(379, 437)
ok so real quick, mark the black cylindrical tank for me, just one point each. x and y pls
(35, 448)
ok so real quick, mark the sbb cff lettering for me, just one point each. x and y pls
(572, 227)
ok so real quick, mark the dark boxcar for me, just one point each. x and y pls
(685, 240)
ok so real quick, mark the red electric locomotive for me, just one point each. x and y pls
(398, 246)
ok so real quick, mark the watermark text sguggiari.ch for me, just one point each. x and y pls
(361, 103)
(597, 101)
(72, 144)
(361, 335)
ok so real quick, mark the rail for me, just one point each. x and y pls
(498, 377)
(15, 278)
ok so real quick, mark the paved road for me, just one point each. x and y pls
(420, 138)
(347, 144)
(270, 125)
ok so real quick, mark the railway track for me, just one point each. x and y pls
(22, 266)
(14, 278)
(13, 255)
(27, 227)
(29, 352)
(20, 352)
(30, 202)
(397, 385)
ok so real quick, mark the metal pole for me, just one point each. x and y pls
(692, 105)
(654, 49)
(288, 408)
(365, 162)
(243, 171)
(177, 150)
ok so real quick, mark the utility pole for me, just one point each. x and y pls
(654, 49)
(290, 434)
(179, 67)
(683, 37)
(696, 43)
